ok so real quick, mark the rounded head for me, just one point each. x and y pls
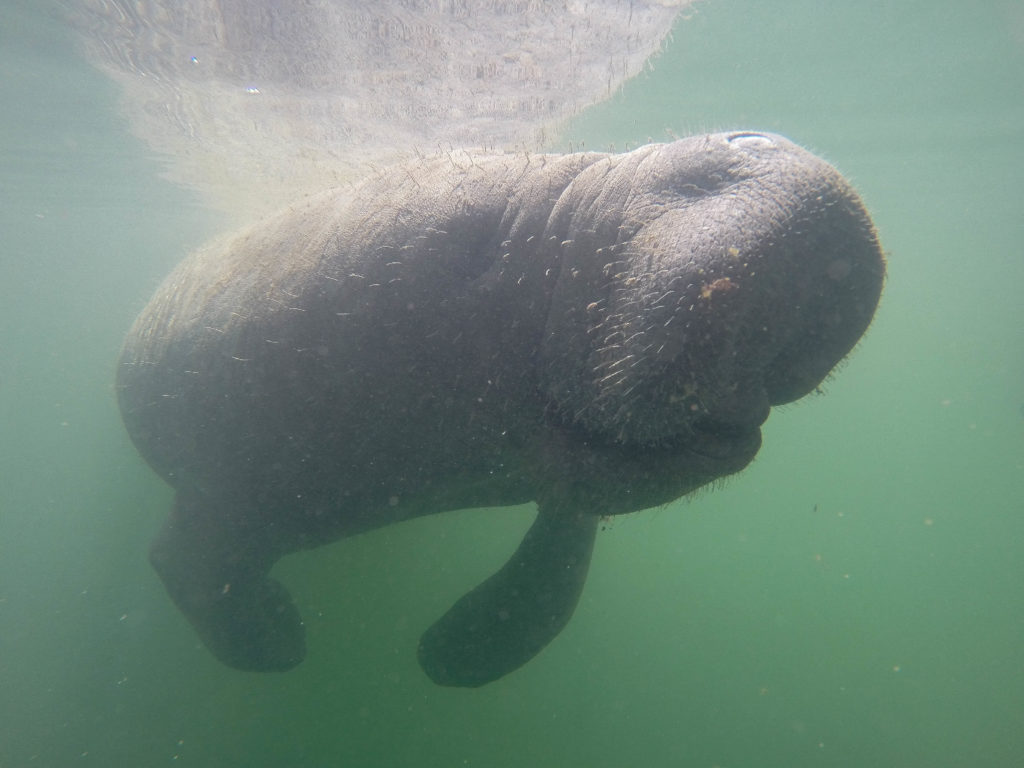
(734, 273)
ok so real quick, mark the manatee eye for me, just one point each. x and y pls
(750, 140)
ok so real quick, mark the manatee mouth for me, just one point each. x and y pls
(724, 442)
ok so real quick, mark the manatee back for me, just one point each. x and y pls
(355, 329)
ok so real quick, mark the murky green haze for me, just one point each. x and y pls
(853, 599)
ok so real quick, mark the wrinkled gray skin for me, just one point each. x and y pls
(596, 333)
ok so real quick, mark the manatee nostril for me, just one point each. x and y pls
(750, 140)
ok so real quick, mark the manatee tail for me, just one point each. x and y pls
(510, 617)
(220, 583)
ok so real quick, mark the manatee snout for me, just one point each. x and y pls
(748, 270)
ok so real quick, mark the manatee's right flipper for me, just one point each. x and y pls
(511, 616)
(219, 581)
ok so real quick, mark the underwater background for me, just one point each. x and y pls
(854, 598)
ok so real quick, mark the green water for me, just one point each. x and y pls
(853, 599)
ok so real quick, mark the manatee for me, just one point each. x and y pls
(596, 333)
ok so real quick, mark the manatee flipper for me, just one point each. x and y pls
(510, 617)
(220, 582)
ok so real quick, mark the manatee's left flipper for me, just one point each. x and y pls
(217, 576)
(510, 617)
